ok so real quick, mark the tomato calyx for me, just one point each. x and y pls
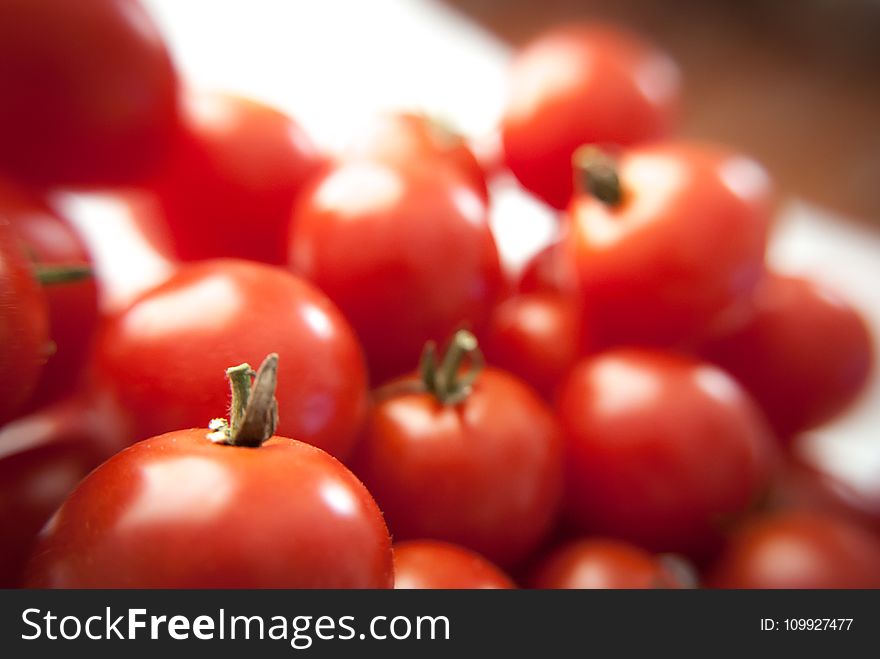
(595, 172)
(53, 275)
(253, 415)
(444, 379)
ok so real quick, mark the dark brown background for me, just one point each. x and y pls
(795, 83)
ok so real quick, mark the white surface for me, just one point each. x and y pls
(332, 63)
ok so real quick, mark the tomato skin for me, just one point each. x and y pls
(48, 239)
(164, 356)
(799, 550)
(429, 564)
(72, 114)
(406, 253)
(805, 353)
(583, 84)
(404, 137)
(641, 466)
(601, 563)
(536, 337)
(178, 511)
(231, 183)
(548, 271)
(684, 250)
(485, 474)
(24, 325)
(43, 456)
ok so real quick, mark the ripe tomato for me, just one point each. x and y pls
(477, 465)
(162, 354)
(231, 184)
(605, 563)
(536, 337)
(406, 253)
(43, 457)
(804, 355)
(401, 138)
(548, 271)
(799, 550)
(24, 325)
(89, 91)
(429, 564)
(661, 450)
(682, 248)
(50, 241)
(583, 84)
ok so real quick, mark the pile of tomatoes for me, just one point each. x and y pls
(620, 414)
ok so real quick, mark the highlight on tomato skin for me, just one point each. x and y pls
(431, 564)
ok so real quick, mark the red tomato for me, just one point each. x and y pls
(805, 354)
(661, 450)
(231, 184)
(49, 240)
(603, 563)
(163, 354)
(548, 271)
(406, 253)
(403, 138)
(24, 325)
(89, 91)
(429, 564)
(683, 248)
(43, 457)
(583, 84)
(799, 550)
(179, 511)
(482, 470)
(536, 337)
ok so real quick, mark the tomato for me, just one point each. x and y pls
(43, 457)
(406, 253)
(402, 138)
(536, 337)
(681, 249)
(799, 550)
(662, 450)
(231, 184)
(548, 271)
(90, 93)
(605, 563)
(583, 84)
(162, 354)
(185, 510)
(24, 325)
(50, 241)
(429, 564)
(476, 464)
(805, 353)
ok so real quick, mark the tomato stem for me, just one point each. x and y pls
(52, 275)
(253, 413)
(447, 382)
(596, 173)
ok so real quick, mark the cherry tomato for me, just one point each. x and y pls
(805, 353)
(799, 550)
(583, 84)
(43, 457)
(429, 564)
(89, 91)
(679, 251)
(548, 271)
(24, 325)
(232, 181)
(406, 253)
(179, 511)
(599, 563)
(402, 138)
(49, 240)
(537, 337)
(162, 355)
(477, 465)
(661, 450)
